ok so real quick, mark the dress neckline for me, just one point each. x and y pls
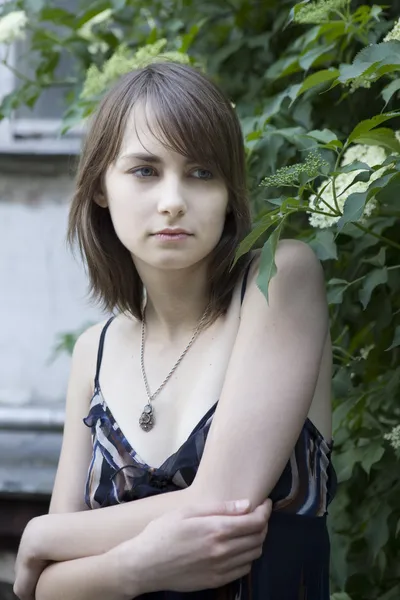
(129, 448)
(135, 456)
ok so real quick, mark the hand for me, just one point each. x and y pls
(193, 549)
(28, 567)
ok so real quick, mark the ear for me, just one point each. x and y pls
(100, 199)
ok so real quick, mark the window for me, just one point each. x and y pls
(37, 130)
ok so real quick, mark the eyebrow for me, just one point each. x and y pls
(147, 157)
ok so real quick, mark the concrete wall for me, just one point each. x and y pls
(42, 286)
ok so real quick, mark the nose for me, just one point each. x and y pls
(172, 197)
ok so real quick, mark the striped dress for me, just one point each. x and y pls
(295, 561)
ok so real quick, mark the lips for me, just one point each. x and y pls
(172, 232)
(172, 235)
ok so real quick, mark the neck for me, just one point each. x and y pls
(176, 299)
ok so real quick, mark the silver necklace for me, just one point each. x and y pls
(147, 420)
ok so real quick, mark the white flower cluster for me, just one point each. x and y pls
(394, 437)
(86, 32)
(372, 156)
(394, 34)
(12, 26)
(319, 11)
(364, 352)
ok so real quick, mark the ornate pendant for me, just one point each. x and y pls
(146, 420)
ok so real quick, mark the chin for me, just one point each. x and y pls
(169, 260)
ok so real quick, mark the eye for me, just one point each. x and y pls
(202, 173)
(143, 172)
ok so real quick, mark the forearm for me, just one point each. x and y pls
(90, 533)
(88, 578)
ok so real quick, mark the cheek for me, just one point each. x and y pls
(215, 211)
(126, 216)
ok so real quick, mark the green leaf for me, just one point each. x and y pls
(308, 58)
(318, 78)
(260, 228)
(353, 209)
(389, 195)
(371, 60)
(324, 245)
(392, 594)
(340, 547)
(389, 91)
(396, 339)
(35, 5)
(383, 136)
(267, 263)
(344, 462)
(378, 260)
(58, 16)
(371, 281)
(335, 290)
(323, 135)
(372, 455)
(354, 166)
(272, 107)
(340, 414)
(283, 67)
(118, 4)
(377, 530)
(365, 126)
(378, 52)
(340, 596)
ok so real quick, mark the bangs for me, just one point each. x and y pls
(181, 122)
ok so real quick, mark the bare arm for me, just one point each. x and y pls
(270, 381)
(88, 578)
(278, 348)
(203, 547)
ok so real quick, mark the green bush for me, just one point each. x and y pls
(316, 86)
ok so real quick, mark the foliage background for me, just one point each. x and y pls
(300, 85)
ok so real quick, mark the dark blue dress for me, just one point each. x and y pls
(295, 560)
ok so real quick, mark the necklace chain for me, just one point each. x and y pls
(146, 420)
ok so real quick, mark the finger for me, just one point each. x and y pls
(242, 559)
(223, 507)
(234, 574)
(242, 545)
(242, 525)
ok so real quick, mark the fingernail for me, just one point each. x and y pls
(242, 504)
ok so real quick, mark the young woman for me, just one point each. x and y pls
(197, 390)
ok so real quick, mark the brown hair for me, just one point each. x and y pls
(196, 120)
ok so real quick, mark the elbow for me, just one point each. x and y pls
(226, 492)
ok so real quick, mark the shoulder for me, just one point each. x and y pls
(298, 270)
(87, 342)
(295, 293)
(84, 355)
(292, 257)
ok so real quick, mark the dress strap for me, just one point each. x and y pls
(244, 282)
(100, 351)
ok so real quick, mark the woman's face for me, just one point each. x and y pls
(151, 189)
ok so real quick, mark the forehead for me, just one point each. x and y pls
(141, 131)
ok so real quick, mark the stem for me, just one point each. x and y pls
(16, 72)
(337, 163)
(319, 198)
(378, 236)
(316, 212)
(364, 276)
